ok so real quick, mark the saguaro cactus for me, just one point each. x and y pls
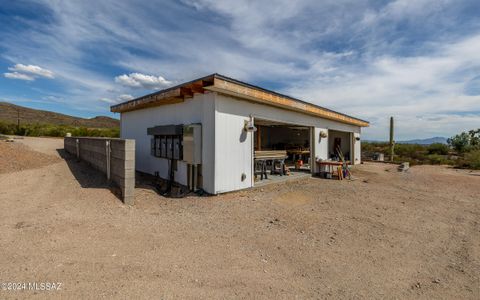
(392, 142)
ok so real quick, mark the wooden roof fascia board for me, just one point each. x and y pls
(234, 89)
(186, 92)
(130, 105)
(297, 101)
(164, 98)
(166, 101)
(197, 87)
(208, 80)
(225, 85)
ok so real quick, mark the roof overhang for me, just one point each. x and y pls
(176, 94)
(224, 85)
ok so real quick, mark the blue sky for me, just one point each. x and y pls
(416, 60)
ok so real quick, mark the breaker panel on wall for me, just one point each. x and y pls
(179, 143)
(166, 141)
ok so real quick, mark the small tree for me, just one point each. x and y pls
(475, 138)
(465, 141)
(460, 142)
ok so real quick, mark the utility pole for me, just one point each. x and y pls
(392, 142)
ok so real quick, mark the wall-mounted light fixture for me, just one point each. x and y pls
(323, 134)
(357, 138)
(249, 126)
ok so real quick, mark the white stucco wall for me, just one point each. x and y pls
(234, 152)
(357, 146)
(320, 146)
(227, 150)
(233, 149)
(200, 109)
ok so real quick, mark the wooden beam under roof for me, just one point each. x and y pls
(169, 96)
(186, 92)
(229, 87)
(163, 98)
(197, 87)
(225, 85)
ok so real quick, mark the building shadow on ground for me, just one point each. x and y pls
(87, 176)
(159, 186)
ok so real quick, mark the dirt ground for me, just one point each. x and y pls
(384, 235)
(18, 157)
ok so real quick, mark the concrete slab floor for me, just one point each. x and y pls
(275, 178)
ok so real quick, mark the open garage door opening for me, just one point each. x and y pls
(340, 146)
(281, 151)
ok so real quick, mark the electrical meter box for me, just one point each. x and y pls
(192, 144)
(177, 147)
(157, 147)
(163, 146)
(169, 147)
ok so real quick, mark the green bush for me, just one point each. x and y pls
(7, 128)
(438, 148)
(56, 130)
(374, 147)
(415, 154)
(437, 159)
(413, 151)
(471, 160)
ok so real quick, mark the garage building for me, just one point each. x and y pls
(220, 134)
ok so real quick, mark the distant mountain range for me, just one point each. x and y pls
(10, 112)
(433, 140)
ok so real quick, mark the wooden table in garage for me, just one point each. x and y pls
(301, 153)
(277, 157)
(330, 167)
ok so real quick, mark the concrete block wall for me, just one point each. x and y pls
(113, 157)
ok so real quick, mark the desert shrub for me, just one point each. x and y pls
(415, 154)
(95, 132)
(56, 130)
(437, 159)
(438, 148)
(79, 131)
(470, 160)
(467, 145)
(410, 150)
(374, 146)
(7, 128)
(413, 151)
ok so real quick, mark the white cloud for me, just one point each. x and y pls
(142, 81)
(20, 76)
(421, 92)
(125, 97)
(120, 98)
(108, 100)
(27, 72)
(32, 70)
(372, 59)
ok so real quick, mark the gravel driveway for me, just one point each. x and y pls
(384, 235)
